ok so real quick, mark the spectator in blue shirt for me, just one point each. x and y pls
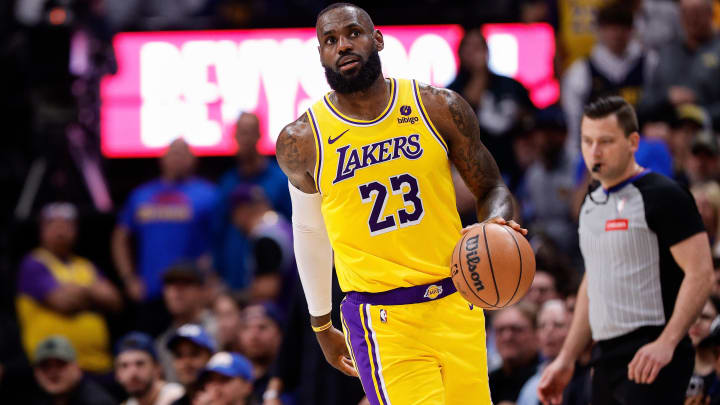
(170, 219)
(231, 247)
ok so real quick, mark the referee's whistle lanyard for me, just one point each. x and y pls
(616, 187)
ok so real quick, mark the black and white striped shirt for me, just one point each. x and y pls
(625, 238)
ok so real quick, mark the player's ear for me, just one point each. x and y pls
(634, 139)
(379, 41)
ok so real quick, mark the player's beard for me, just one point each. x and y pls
(363, 79)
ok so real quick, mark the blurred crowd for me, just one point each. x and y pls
(174, 281)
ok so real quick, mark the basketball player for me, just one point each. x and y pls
(648, 272)
(369, 171)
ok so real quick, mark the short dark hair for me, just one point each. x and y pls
(337, 5)
(615, 13)
(624, 112)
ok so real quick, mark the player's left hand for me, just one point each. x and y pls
(649, 360)
(500, 221)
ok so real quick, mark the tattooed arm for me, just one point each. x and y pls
(295, 150)
(458, 126)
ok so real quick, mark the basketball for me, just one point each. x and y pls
(492, 266)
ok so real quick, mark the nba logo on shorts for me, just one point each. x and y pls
(433, 291)
(383, 316)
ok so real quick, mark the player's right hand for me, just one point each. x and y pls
(555, 378)
(332, 343)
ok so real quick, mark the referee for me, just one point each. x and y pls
(648, 272)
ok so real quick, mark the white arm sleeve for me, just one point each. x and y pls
(313, 253)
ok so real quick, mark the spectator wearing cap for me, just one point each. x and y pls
(691, 143)
(60, 293)
(185, 298)
(260, 339)
(252, 169)
(548, 184)
(60, 379)
(704, 384)
(137, 370)
(617, 65)
(170, 219)
(191, 347)
(226, 380)
(270, 260)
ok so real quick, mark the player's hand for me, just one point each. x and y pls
(500, 221)
(649, 360)
(553, 381)
(332, 343)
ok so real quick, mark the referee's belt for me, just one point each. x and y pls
(405, 295)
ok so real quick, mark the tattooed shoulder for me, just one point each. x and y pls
(450, 106)
(294, 147)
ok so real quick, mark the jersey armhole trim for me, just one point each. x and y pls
(318, 149)
(426, 117)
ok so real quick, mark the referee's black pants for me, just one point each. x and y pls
(610, 384)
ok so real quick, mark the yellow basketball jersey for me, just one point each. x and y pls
(388, 198)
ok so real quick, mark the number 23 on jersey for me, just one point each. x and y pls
(377, 194)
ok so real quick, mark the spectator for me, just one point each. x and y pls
(500, 102)
(707, 88)
(704, 381)
(260, 339)
(227, 309)
(707, 198)
(657, 22)
(678, 65)
(60, 293)
(548, 183)
(191, 348)
(137, 370)
(170, 219)
(60, 378)
(270, 263)
(232, 248)
(543, 288)
(617, 65)
(516, 342)
(553, 326)
(226, 380)
(690, 121)
(184, 294)
(703, 165)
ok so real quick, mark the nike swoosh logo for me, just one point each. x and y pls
(332, 140)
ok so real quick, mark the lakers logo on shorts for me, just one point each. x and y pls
(433, 291)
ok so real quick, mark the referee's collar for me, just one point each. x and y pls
(625, 182)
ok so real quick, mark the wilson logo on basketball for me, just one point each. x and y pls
(433, 291)
(616, 225)
(472, 258)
